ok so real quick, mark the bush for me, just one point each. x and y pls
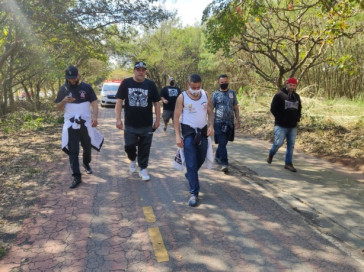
(25, 120)
(2, 250)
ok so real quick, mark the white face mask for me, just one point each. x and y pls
(195, 92)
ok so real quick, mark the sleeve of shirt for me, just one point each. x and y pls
(274, 105)
(163, 92)
(61, 94)
(235, 99)
(93, 96)
(299, 108)
(155, 93)
(122, 91)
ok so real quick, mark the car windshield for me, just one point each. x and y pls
(110, 88)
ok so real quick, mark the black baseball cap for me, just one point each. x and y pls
(140, 64)
(71, 72)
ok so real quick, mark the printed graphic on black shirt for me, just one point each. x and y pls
(172, 92)
(290, 105)
(138, 97)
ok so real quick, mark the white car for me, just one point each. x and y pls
(108, 92)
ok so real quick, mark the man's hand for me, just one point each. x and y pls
(68, 99)
(156, 124)
(179, 141)
(119, 124)
(210, 130)
(237, 124)
(94, 122)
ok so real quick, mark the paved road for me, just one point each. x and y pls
(242, 223)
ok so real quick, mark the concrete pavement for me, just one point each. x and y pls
(328, 195)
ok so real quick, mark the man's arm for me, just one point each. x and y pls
(176, 120)
(157, 109)
(118, 108)
(163, 93)
(165, 101)
(237, 116)
(94, 113)
(65, 100)
(210, 117)
(274, 105)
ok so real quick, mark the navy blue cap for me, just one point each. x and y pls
(71, 72)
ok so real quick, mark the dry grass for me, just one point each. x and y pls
(332, 129)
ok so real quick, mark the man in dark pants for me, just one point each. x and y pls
(76, 98)
(286, 108)
(169, 96)
(140, 96)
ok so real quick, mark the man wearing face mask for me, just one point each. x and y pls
(226, 106)
(286, 108)
(169, 96)
(193, 123)
(79, 102)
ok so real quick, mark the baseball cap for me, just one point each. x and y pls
(140, 64)
(171, 79)
(71, 72)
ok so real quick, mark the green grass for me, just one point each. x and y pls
(25, 120)
(2, 250)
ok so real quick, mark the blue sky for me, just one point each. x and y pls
(190, 11)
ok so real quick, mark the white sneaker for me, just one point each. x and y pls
(144, 174)
(132, 166)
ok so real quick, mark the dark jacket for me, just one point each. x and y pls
(286, 109)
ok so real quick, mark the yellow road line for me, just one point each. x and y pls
(160, 250)
(149, 214)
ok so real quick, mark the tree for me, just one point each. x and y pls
(279, 37)
(41, 37)
(171, 50)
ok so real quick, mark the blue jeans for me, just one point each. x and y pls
(280, 133)
(221, 137)
(194, 157)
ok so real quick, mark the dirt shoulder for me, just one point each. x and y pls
(330, 142)
(26, 160)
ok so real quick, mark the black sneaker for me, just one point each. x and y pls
(270, 159)
(290, 167)
(87, 168)
(224, 168)
(76, 181)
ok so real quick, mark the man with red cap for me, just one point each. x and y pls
(286, 108)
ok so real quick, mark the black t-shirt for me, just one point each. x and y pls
(139, 98)
(82, 93)
(170, 93)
